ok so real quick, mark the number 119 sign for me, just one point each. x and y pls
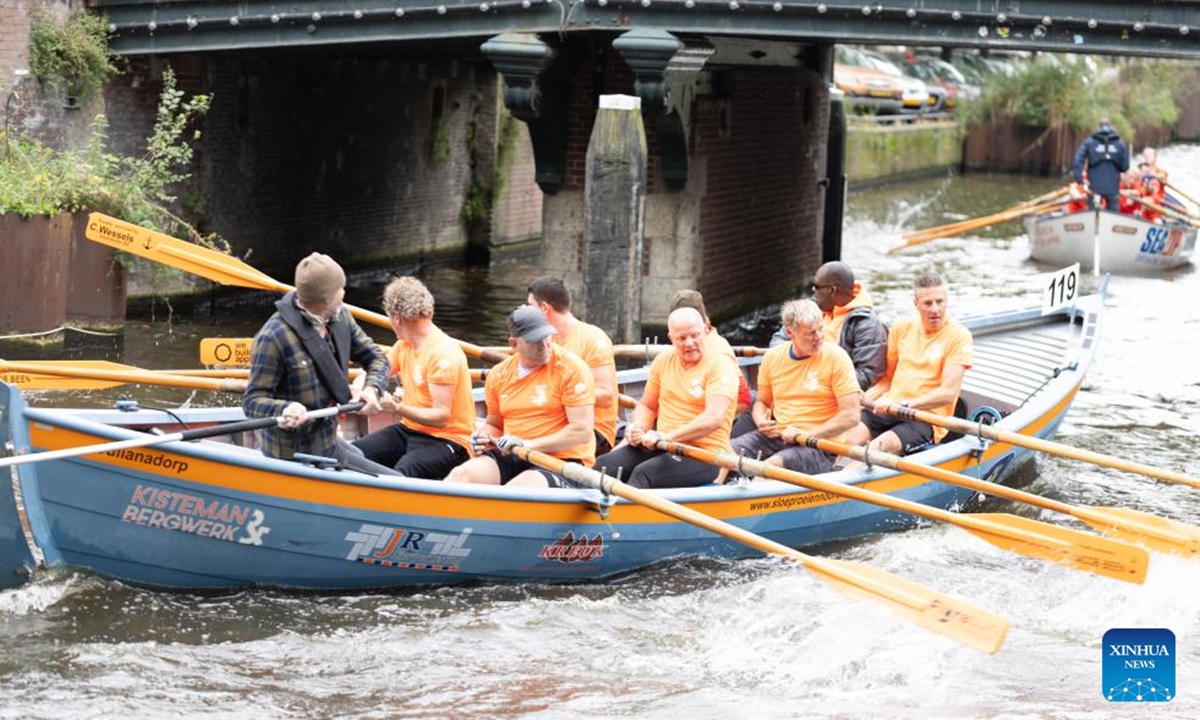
(1061, 289)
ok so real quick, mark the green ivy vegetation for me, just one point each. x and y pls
(39, 180)
(1060, 93)
(71, 53)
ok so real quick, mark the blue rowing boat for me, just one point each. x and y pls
(213, 514)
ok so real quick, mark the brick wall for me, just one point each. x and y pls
(764, 138)
(36, 111)
(335, 153)
(746, 229)
(517, 210)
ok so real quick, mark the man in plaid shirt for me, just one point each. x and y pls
(299, 362)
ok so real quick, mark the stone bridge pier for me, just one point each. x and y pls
(736, 135)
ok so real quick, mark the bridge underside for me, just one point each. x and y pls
(1164, 28)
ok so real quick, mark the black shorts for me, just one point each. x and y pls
(511, 466)
(642, 468)
(913, 435)
(412, 453)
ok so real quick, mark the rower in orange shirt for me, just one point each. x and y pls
(928, 356)
(689, 397)
(437, 412)
(1152, 192)
(552, 296)
(807, 386)
(1130, 189)
(713, 340)
(541, 397)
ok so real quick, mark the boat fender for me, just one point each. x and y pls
(321, 462)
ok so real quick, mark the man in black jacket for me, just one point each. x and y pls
(850, 321)
(1103, 157)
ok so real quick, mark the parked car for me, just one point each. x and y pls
(915, 96)
(946, 75)
(867, 89)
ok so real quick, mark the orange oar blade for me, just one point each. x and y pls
(1064, 546)
(943, 614)
(1157, 533)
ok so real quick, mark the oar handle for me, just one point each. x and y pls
(150, 440)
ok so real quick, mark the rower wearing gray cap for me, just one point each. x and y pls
(543, 398)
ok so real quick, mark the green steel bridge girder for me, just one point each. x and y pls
(1157, 28)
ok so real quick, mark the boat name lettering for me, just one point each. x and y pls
(407, 549)
(788, 501)
(569, 549)
(170, 510)
(111, 233)
(152, 459)
(1073, 227)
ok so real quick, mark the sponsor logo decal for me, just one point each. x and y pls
(407, 549)
(1161, 241)
(1139, 665)
(569, 549)
(181, 512)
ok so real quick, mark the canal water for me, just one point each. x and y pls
(697, 639)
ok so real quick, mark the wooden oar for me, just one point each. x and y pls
(1031, 538)
(82, 375)
(930, 609)
(653, 349)
(1152, 531)
(1175, 214)
(1033, 443)
(149, 440)
(29, 376)
(970, 222)
(44, 379)
(968, 225)
(1179, 191)
(216, 266)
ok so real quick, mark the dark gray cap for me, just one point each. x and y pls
(529, 324)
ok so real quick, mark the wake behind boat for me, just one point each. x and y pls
(210, 514)
(1109, 242)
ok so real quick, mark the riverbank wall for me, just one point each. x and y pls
(879, 153)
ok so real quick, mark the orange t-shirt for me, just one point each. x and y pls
(714, 343)
(920, 358)
(535, 405)
(440, 360)
(804, 393)
(683, 392)
(592, 346)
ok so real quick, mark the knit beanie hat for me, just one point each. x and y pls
(318, 278)
(689, 299)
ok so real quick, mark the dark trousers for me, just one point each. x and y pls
(644, 468)
(412, 453)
